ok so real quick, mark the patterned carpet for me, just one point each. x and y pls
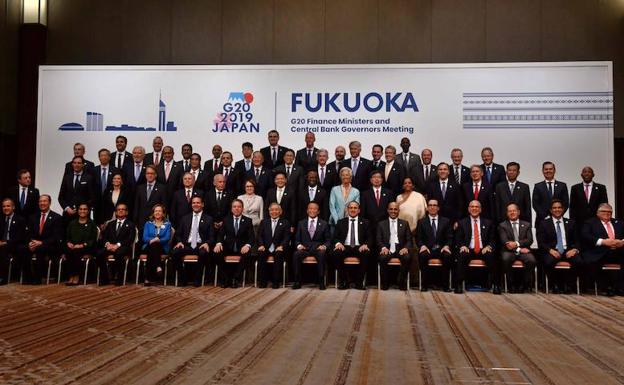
(165, 335)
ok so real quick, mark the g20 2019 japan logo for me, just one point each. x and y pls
(237, 114)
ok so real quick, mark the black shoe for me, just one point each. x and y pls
(610, 292)
(2, 282)
(296, 286)
(458, 290)
(262, 285)
(556, 290)
(118, 283)
(275, 286)
(359, 286)
(322, 286)
(447, 289)
(225, 285)
(342, 286)
(197, 284)
(235, 284)
(424, 288)
(384, 287)
(104, 282)
(496, 290)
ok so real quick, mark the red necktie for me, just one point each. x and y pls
(476, 191)
(587, 192)
(216, 166)
(188, 195)
(610, 231)
(156, 159)
(377, 197)
(42, 223)
(475, 231)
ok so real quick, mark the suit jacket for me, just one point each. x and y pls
(53, 231)
(296, 178)
(331, 176)
(233, 181)
(149, 158)
(126, 236)
(541, 198)
(521, 196)
(142, 207)
(464, 173)
(321, 236)
(525, 235)
(485, 197)
(442, 237)
(394, 182)
(127, 162)
(83, 193)
(361, 179)
(233, 241)
(379, 166)
(205, 229)
(31, 205)
(182, 162)
(180, 207)
(210, 169)
(580, 209)
(97, 172)
(263, 181)
(593, 230)
(452, 204)
(413, 167)
(133, 183)
(175, 176)
(288, 203)
(335, 166)
(547, 234)
(240, 165)
(369, 208)
(403, 233)
(364, 231)
(281, 237)
(219, 210)
(106, 208)
(18, 230)
(201, 180)
(88, 168)
(301, 158)
(268, 160)
(498, 174)
(487, 231)
(421, 181)
(320, 197)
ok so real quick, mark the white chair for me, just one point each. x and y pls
(391, 262)
(518, 264)
(271, 260)
(564, 265)
(190, 258)
(607, 267)
(350, 261)
(111, 258)
(433, 262)
(230, 259)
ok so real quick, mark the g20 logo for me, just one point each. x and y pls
(237, 114)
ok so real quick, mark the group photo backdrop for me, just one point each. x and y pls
(527, 112)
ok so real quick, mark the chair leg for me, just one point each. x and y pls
(125, 271)
(419, 279)
(176, 275)
(336, 278)
(378, 277)
(284, 274)
(578, 285)
(546, 282)
(203, 275)
(244, 274)
(596, 288)
(10, 269)
(506, 291)
(49, 270)
(138, 266)
(166, 271)
(535, 278)
(60, 267)
(216, 274)
(97, 278)
(256, 274)
(408, 280)
(86, 273)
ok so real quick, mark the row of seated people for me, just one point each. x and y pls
(32, 242)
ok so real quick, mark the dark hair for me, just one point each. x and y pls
(22, 172)
(122, 137)
(151, 167)
(103, 150)
(187, 145)
(378, 145)
(273, 131)
(556, 200)
(198, 197)
(78, 157)
(511, 164)
(547, 163)
(374, 172)
(247, 144)
(252, 181)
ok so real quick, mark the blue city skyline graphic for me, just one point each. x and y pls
(95, 122)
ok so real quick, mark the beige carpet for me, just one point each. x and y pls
(134, 335)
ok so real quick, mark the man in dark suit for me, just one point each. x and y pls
(429, 171)
(328, 176)
(459, 172)
(46, 233)
(122, 159)
(374, 202)
(544, 192)
(186, 151)
(352, 239)
(394, 240)
(448, 194)
(494, 172)
(232, 176)
(312, 238)
(359, 166)
(194, 236)
(200, 176)
(77, 187)
(307, 155)
(434, 240)
(513, 191)
(336, 165)
(394, 173)
(169, 172)
(218, 201)
(116, 239)
(212, 166)
(25, 196)
(103, 173)
(585, 197)
(477, 189)
(146, 196)
(273, 240)
(262, 176)
(295, 175)
(410, 162)
(13, 238)
(79, 150)
(516, 238)
(273, 153)
(557, 241)
(312, 192)
(181, 200)
(245, 165)
(155, 156)
(475, 238)
(284, 196)
(235, 237)
(603, 236)
(138, 168)
(377, 153)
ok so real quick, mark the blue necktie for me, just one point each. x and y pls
(560, 248)
(23, 198)
(104, 174)
(488, 174)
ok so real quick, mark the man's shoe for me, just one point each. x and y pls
(447, 289)
(275, 286)
(322, 286)
(424, 288)
(384, 287)
(235, 284)
(458, 289)
(496, 290)
(197, 284)
(359, 286)
(342, 286)
(262, 285)
(296, 286)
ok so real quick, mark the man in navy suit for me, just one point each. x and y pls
(260, 174)
(156, 156)
(231, 175)
(494, 173)
(13, 238)
(295, 175)
(429, 171)
(312, 192)
(360, 167)
(328, 176)
(273, 240)
(374, 202)
(200, 176)
(585, 197)
(547, 190)
(475, 238)
(307, 155)
(337, 164)
(394, 240)
(410, 162)
(79, 150)
(244, 165)
(434, 240)
(284, 196)
(218, 201)
(121, 158)
(235, 237)
(77, 187)
(604, 243)
(273, 153)
(557, 241)
(25, 196)
(459, 172)
(394, 173)
(186, 151)
(478, 189)
(117, 239)
(312, 238)
(137, 176)
(512, 190)
(181, 202)
(169, 172)
(146, 196)
(516, 238)
(194, 236)
(212, 166)
(352, 239)
(103, 173)
(46, 233)
(448, 194)
(377, 152)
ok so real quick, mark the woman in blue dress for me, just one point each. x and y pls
(156, 236)
(341, 195)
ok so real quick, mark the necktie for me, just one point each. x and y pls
(167, 170)
(236, 225)
(104, 175)
(156, 159)
(5, 236)
(457, 176)
(587, 192)
(426, 172)
(280, 192)
(434, 227)
(273, 226)
(312, 193)
(247, 164)
(322, 175)
(42, 223)
(476, 191)
(227, 173)
(394, 239)
(218, 197)
(405, 159)
(475, 232)
(257, 174)
(550, 190)
(118, 227)
(511, 188)
(516, 232)
(311, 229)
(352, 238)
(149, 190)
(137, 171)
(488, 173)
(288, 172)
(377, 197)
(119, 164)
(216, 166)
(23, 198)
(76, 180)
(443, 190)
(560, 248)
(355, 166)
(309, 154)
(194, 231)
(188, 196)
(610, 231)
(274, 156)
(186, 165)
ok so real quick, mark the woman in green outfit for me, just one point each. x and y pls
(81, 239)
